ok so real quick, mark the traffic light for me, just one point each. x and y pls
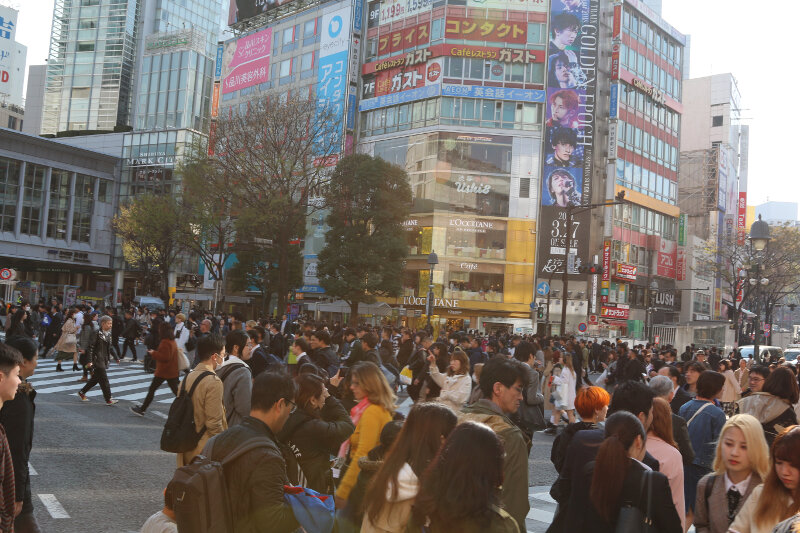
(540, 312)
(591, 269)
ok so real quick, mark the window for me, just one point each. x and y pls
(9, 184)
(84, 205)
(86, 46)
(288, 35)
(32, 199)
(524, 187)
(306, 61)
(310, 28)
(716, 121)
(59, 205)
(285, 68)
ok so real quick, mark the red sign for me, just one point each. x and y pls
(667, 259)
(501, 55)
(616, 31)
(681, 264)
(615, 61)
(626, 272)
(497, 31)
(742, 222)
(400, 79)
(606, 260)
(592, 319)
(615, 312)
(739, 291)
(405, 38)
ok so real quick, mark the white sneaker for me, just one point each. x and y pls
(112, 401)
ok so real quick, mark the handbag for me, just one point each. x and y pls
(183, 361)
(631, 519)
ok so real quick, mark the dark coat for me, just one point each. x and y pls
(558, 453)
(99, 351)
(255, 480)
(663, 513)
(404, 353)
(16, 417)
(680, 398)
(130, 330)
(326, 359)
(680, 432)
(317, 439)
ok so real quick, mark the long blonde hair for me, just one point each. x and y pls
(757, 449)
(374, 385)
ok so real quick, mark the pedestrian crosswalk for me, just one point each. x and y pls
(128, 381)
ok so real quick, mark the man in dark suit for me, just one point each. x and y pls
(680, 396)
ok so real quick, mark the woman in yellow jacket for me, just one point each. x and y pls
(373, 411)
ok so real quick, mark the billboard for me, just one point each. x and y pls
(245, 62)
(239, 10)
(539, 6)
(8, 53)
(399, 40)
(393, 10)
(404, 79)
(567, 171)
(491, 30)
(331, 90)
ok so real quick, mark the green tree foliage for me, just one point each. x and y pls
(368, 200)
(150, 229)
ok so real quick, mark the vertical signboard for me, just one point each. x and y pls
(741, 228)
(567, 175)
(8, 53)
(332, 70)
(218, 62)
(606, 282)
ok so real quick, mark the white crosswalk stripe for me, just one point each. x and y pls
(128, 382)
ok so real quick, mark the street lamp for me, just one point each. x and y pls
(650, 303)
(433, 260)
(759, 238)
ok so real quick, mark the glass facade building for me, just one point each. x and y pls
(91, 65)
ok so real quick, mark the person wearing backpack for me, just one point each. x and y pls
(255, 479)
(166, 358)
(315, 430)
(237, 379)
(208, 409)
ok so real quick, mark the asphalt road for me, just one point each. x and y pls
(99, 468)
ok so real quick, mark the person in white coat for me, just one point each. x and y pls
(457, 384)
(565, 382)
(181, 332)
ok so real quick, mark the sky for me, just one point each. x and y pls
(727, 36)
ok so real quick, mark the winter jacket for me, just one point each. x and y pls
(85, 336)
(365, 437)
(182, 332)
(237, 382)
(317, 438)
(455, 389)
(209, 411)
(99, 351)
(515, 462)
(775, 414)
(16, 417)
(131, 329)
(558, 453)
(255, 480)
(166, 358)
(404, 354)
(326, 359)
(65, 342)
(396, 512)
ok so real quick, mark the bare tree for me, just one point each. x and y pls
(277, 157)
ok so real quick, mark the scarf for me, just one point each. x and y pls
(355, 416)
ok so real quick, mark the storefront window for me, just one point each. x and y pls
(474, 281)
(476, 238)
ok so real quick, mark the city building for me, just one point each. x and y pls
(778, 212)
(55, 218)
(712, 198)
(34, 99)
(12, 116)
(453, 92)
(12, 60)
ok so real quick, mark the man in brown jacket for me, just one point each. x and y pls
(209, 411)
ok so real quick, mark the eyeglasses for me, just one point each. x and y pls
(294, 406)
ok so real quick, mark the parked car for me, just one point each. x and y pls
(791, 355)
(768, 353)
(150, 302)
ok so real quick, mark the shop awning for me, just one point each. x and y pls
(340, 306)
(198, 296)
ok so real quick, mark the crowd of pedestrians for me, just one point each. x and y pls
(655, 437)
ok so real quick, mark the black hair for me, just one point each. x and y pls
(323, 336)
(673, 372)
(238, 338)
(208, 346)
(502, 370)
(761, 370)
(302, 343)
(269, 387)
(25, 345)
(262, 333)
(370, 339)
(349, 331)
(632, 396)
(523, 351)
(561, 135)
(562, 21)
(709, 384)
(9, 358)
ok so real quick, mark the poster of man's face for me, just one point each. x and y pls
(562, 187)
(563, 149)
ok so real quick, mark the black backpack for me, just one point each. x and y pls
(200, 494)
(180, 434)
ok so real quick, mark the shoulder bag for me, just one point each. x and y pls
(631, 519)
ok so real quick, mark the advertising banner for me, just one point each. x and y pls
(497, 93)
(626, 272)
(404, 97)
(682, 229)
(246, 61)
(402, 39)
(215, 101)
(421, 55)
(723, 172)
(218, 61)
(477, 29)
(615, 60)
(240, 10)
(613, 111)
(392, 10)
(567, 172)
(681, 268)
(615, 312)
(539, 6)
(331, 88)
(404, 79)
(741, 223)
(8, 51)
(612, 140)
(373, 14)
(667, 257)
(606, 281)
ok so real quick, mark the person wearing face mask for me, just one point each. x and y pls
(98, 355)
(209, 411)
(318, 426)
(236, 376)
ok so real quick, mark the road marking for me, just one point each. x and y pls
(31, 470)
(37, 380)
(114, 389)
(142, 394)
(159, 414)
(53, 506)
(544, 496)
(77, 385)
(540, 516)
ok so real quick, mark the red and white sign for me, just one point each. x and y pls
(616, 29)
(7, 274)
(606, 260)
(657, 339)
(491, 30)
(401, 79)
(667, 258)
(593, 319)
(615, 61)
(615, 312)
(739, 291)
(434, 71)
(410, 37)
(626, 272)
(681, 267)
(742, 221)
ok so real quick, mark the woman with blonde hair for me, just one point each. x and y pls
(778, 498)
(457, 384)
(661, 445)
(376, 404)
(740, 464)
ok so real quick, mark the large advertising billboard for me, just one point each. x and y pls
(569, 134)
(239, 10)
(245, 61)
(332, 68)
(8, 52)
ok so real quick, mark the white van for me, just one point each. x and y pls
(767, 352)
(150, 302)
